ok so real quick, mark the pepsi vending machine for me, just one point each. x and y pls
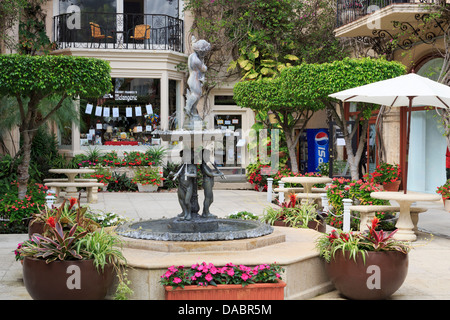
(317, 148)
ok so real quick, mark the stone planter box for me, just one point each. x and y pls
(129, 171)
(147, 187)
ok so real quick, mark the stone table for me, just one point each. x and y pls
(404, 223)
(306, 182)
(71, 174)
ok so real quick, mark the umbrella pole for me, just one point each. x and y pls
(408, 131)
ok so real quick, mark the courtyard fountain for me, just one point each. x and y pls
(190, 237)
(189, 225)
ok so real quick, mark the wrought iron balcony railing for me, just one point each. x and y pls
(118, 31)
(351, 10)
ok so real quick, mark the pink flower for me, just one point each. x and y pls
(176, 280)
(230, 272)
(208, 277)
(213, 270)
(244, 277)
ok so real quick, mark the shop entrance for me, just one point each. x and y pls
(229, 155)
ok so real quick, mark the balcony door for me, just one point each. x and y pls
(133, 15)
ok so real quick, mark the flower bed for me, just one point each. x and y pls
(207, 274)
(359, 191)
(15, 212)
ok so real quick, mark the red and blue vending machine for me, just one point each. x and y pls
(318, 148)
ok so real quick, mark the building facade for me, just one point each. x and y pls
(147, 44)
(401, 31)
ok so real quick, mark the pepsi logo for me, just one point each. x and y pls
(321, 138)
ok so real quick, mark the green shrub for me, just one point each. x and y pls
(120, 182)
(14, 213)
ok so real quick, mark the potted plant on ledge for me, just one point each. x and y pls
(444, 191)
(72, 259)
(148, 179)
(388, 175)
(291, 215)
(231, 282)
(369, 266)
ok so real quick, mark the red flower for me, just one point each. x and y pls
(51, 222)
(375, 222)
(73, 201)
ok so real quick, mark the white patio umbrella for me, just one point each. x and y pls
(409, 91)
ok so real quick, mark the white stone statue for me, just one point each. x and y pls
(197, 70)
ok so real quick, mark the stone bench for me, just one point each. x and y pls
(66, 179)
(310, 197)
(91, 188)
(367, 213)
(297, 190)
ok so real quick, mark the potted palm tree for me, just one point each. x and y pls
(365, 266)
(72, 258)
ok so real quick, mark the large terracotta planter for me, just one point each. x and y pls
(256, 291)
(35, 227)
(66, 280)
(391, 186)
(380, 277)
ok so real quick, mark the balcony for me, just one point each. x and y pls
(93, 30)
(357, 18)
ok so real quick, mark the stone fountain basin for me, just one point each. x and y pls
(199, 229)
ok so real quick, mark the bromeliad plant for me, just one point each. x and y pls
(67, 214)
(69, 235)
(60, 245)
(207, 274)
(291, 214)
(357, 243)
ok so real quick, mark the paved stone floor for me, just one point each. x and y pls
(429, 262)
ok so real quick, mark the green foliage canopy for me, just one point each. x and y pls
(310, 83)
(47, 75)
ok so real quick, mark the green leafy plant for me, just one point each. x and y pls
(102, 174)
(69, 235)
(385, 173)
(207, 274)
(243, 215)
(106, 219)
(14, 212)
(33, 81)
(169, 169)
(444, 190)
(148, 176)
(120, 182)
(60, 246)
(291, 214)
(356, 243)
(67, 214)
(155, 155)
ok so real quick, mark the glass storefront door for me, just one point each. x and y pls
(229, 155)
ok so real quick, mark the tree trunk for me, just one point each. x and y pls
(22, 170)
(353, 159)
(290, 141)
